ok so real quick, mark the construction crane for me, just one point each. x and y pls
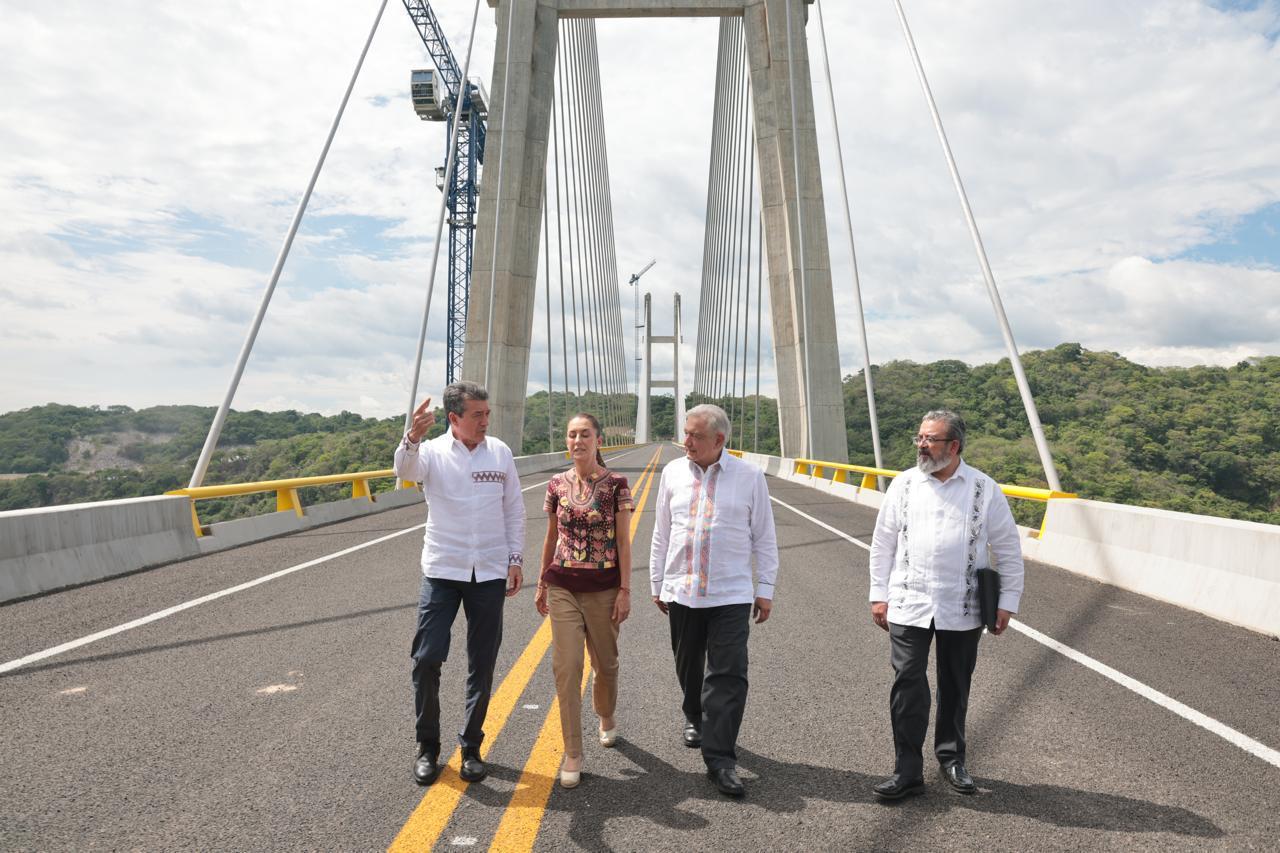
(635, 282)
(435, 94)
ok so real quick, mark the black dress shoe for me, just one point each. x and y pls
(692, 737)
(426, 767)
(727, 781)
(958, 777)
(895, 787)
(473, 769)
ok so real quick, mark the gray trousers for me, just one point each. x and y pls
(957, 655)
(710, 647)
(437, 608)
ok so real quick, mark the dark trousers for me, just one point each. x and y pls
(957, 654)
(437, 608)
(710, 647)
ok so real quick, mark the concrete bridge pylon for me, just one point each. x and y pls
(511, 208)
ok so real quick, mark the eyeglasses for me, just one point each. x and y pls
(929, 439)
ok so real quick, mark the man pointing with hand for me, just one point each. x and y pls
(471, 556)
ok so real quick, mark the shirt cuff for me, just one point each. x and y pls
(410, 444)
(1009, 601)
(515, 560)
(764, 590)
(879, 593)
(656, 587)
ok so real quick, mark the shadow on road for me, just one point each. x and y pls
(657, 790)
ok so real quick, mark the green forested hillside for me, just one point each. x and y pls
(1201, 439)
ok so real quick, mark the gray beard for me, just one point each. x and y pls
(929, 465)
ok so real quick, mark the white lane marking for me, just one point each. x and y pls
(1222, 730)
(1248, 744)
(214, 596)
(531, 707)
(73, 691)
(464, 841)
(821, 524)
(272, 689)
(195, 602)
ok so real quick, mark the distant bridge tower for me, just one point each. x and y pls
(648, 383)
(786, 135)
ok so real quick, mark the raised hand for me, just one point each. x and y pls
(423, 420)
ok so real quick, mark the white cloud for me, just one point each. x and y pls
(152, 159)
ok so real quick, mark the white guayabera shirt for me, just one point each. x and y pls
(709, 526)
(476, 512)
(931, 538)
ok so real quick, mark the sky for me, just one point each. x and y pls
(1122, 161)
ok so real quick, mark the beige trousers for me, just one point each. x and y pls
(579, 618)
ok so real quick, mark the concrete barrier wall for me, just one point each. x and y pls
(1224, 568)
(49, 548)
(1220, 567)
(52, 547)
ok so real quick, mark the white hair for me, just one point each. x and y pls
(713, 415)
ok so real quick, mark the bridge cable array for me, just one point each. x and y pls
(853, 254)
(594, 362)
(724, 312)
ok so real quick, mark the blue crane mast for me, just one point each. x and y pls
(435, 95)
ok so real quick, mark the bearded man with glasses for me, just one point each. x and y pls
(940, 523)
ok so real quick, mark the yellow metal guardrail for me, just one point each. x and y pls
(286, 490)
(287, 497)
(841, 472)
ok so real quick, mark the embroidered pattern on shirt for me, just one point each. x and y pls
(515, 560)
(488, 476)
(702, 510)
(904, 512)
(975, 532)
(586, 529)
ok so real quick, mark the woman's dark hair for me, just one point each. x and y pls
(595, 425)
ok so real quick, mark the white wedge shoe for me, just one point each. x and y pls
(570, 778)
(609, 737)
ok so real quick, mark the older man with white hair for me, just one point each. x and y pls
(713, 519)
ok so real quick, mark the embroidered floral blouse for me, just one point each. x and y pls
(586, 555)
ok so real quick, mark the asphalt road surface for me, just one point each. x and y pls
(279, 716)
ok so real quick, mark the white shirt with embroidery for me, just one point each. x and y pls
(475, 511)
(709, 526)
(930, 539)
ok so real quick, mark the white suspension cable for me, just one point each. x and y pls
(759, 313)
(555, 138)
(592, 141)
(1015, 360)
(705, 314)
(733, 248)
(853, 255)
(608, 258)
(742, 216)
(746, 290)
(215, 429)
(546, 254)
(584, 241)
(563, 63)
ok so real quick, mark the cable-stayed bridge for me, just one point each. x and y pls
(249, 690)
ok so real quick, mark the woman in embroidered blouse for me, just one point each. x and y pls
(585, 585)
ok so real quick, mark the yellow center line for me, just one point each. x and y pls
(432, 815)
(523, 817)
